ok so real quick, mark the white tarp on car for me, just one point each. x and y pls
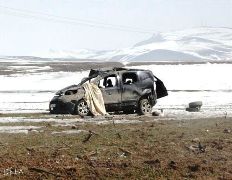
(94, 99)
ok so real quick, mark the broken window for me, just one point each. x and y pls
(129, 78)
(109, 81)
(70, 92)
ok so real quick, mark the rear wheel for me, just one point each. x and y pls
(145, 107)
(82, 108)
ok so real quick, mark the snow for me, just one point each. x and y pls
(31, 92)
(18, 129)
(209, 83)
(80, 54)
(30, 69)
(194, 77)
(202, 43)
(51, 119)
(45, 81)
(65, 122)
(69, 132)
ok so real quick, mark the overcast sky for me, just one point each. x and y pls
(34, 26)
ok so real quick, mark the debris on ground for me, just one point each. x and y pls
(227, 130)
(197, 148)
(158, 113)
(196, 140)
(194, 106)
(87, 138)
(125, 153)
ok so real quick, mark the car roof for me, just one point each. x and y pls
(115, 69)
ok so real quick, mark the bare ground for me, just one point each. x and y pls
(146, 148)
(9, 68)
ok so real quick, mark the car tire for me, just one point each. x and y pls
(82, 108)
(52, 112)
(193, 109)
(195, 104)
(144, 107)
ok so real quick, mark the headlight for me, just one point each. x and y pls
(52, 106)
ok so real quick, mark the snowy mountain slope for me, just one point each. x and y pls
(192, 44)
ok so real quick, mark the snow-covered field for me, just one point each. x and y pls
(31, 92)
(210, 83)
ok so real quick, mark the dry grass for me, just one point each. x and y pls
(146, 150)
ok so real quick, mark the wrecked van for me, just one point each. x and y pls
(127, 90)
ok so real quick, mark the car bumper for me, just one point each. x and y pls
(57, 106)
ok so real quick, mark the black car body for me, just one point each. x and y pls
(122, 89)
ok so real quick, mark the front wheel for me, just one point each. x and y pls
(82, 108)
(144, 107)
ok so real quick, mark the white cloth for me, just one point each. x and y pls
(94, 99)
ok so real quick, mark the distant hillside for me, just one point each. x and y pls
(206, 44)
(196, 44)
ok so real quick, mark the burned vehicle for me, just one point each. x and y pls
(127, 90)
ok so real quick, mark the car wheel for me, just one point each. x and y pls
(82, 108)
(145, 107)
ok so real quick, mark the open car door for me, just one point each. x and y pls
(161, 90)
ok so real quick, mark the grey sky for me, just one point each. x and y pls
(24, 35)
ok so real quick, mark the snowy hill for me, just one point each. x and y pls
(192, 44)
(197, 44)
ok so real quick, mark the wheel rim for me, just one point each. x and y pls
(82, 108)
(146, 107)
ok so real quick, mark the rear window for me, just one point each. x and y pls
(129, 78)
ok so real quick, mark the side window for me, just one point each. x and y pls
(129, 78)
(108, 82)
(145, 76)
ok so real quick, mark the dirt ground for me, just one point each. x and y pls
(145, 147)
(9, 68)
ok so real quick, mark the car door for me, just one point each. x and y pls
(161, 90)
(130, 91)
(111, 92)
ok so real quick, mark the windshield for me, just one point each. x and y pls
(94, 78)
(85, 79)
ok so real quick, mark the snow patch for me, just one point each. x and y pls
(69, 132)
(18, 129)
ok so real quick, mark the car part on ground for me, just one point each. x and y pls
(194, 106)
(192, 109)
